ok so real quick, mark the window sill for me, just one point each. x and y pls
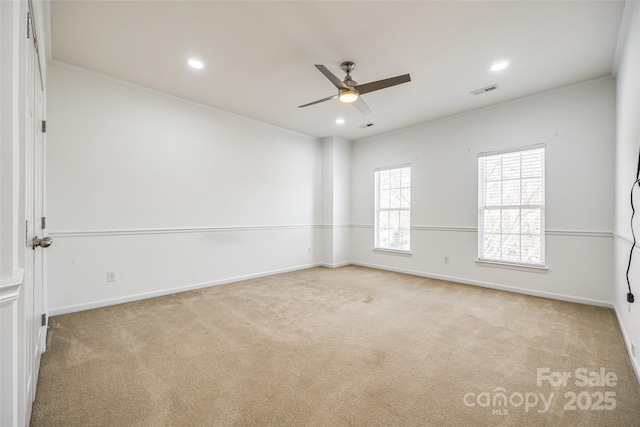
(543, 269)
(392, 251)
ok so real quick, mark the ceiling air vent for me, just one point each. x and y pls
(366, 125)
(484, 89)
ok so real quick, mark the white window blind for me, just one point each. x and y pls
(511, 206)
(393, 208)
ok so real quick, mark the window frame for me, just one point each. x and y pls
(482, 208)
(376, 239)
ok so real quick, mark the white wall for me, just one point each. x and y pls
(169, 194)
(577, 125)
(336, 201)
(627, 146)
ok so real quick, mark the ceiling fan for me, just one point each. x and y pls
(349, 90)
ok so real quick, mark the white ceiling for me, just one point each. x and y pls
(260, 56)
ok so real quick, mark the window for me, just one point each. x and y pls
(393, 208)
(511, 206)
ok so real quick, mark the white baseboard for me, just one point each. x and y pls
(337, 265)
(627, 344)
(532, 292)
(57, 311)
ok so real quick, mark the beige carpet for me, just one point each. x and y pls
(337, 347)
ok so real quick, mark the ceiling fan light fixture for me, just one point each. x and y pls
(348, 95)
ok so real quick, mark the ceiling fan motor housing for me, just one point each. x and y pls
(348, 66)
(350, 82)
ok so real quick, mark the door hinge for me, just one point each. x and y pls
(44, 126)
(43, 222)
(28, 25)
(44, 319)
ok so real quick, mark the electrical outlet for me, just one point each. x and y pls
(446, 260)
(633, 349)
(111, 276)
(309, 251)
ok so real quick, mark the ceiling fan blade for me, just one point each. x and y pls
(381, 84)
(332, 77)
(362, 106)
(319, 101)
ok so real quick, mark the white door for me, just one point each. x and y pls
(39, 308)
(34, 303)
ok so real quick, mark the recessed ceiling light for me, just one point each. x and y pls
(196, 63)
(339, 121)
(499, 66)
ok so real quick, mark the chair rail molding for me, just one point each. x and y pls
(10, 288)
